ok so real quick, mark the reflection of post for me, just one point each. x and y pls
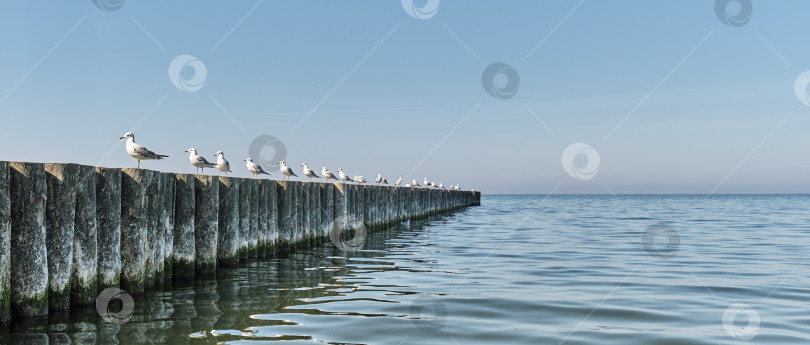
(83, 289)
(206, 300)
(5, 243)
(206, 228)
(61, 214)
(108, 218)
(228, 243)
(134, 206)
(183, 237)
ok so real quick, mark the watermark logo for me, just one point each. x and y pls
(121, 316)
(652, 240)
(184, 64)
(348, 233)
(509, 88)
(576, 169)
(428, 313)
(108, 5)
(801, 88)
(734, 13)
(259, 151)
(737, 327)
(425, 12)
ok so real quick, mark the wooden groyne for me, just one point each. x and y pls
(68, 231)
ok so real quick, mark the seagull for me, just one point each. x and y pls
(384, 181)
(343, 176)
(407, 185)
(415, 184)
(222, 164)
(139, 152)
(399, 181)
(426, 183)
(379, 179)
(433, 184)
(328, 174)
(308, 172)
(359, 179)
(287, 171)
(441, 186)
(199, 161)
(254, 168)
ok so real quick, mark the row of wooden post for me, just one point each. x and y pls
(68, 231)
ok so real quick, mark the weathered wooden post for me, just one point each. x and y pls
(29, 263)
(5, 244)
(284, 215)
(59, 220)
(183, 256)
(154, 235)
(206, 225)
(298, 202)
(262, 218)
(229, 234)
(272, 216)
(340, 204)
(108, 221)
(134, 224)
(306, 211)
(167, 224)
(253, 220)
(84, 278)
(243, 227)
(327, 209)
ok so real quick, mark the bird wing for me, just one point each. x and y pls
(143, 151)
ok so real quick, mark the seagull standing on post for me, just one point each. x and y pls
(415, 184)
(308, 172)
(328, 174)
(343, 176)
(287, 171)
(384, 181)
(199, 161)
(139, 152)
(426, 183)
(399, 181)
(222, 164)
(254, 168)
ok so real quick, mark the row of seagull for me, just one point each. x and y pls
(140, 153)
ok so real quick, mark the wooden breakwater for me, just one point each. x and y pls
(68, 231)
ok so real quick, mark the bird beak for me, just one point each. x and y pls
(121, 137)
(185, 151)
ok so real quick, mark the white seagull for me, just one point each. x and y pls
(254, 168)
(441, 186)
(328, 174)
(433, 184)
(222, 164)
(199, 161)
(287, 171)
(308, 172)
(343, 175)
(384, 181)
(415, 184)
(139, 152)
(426, 183)
(378, 180)
(399, 181)
(359, 179)
(407, 185)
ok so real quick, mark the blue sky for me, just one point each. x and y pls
(671, 98)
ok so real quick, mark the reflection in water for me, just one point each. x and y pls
(249, 302)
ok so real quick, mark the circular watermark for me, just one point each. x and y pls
(108, 5)
(801, 87)
(578, 170)
(734, 13)
(258, 150)
(187, 83)
(123, 315)
(428, 313)
(425, 12)
(741, 321)
(651, 240)
(348, 233)
(510, 87)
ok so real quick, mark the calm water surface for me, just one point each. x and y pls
(517, 270)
